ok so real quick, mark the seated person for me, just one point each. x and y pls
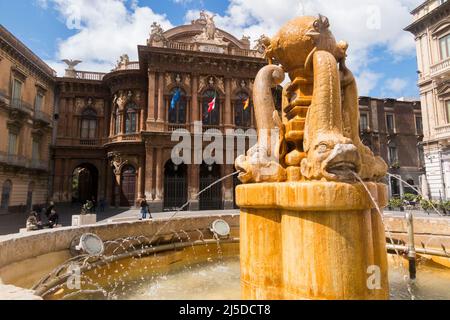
(33, 222)
(53, 219)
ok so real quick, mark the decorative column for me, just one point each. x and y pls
(140, 180)
(194, 186)
(123, 121)
(195, 114)
(228, 110)
(159, 180)
(111, 122)
(312, 240)
(161, 97)
(151, 96)
(149, 189)
(142, 120)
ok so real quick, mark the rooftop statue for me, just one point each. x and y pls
(210, 33)
(156, 33)
(317, 135)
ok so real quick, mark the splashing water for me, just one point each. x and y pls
(189, 201)
(389, 234)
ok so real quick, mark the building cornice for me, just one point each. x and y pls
(437, 14)
(17, 49)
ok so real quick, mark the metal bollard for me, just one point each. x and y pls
(411, 247)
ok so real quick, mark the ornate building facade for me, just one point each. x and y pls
(113, 137)
(26, 122)
(431, 28)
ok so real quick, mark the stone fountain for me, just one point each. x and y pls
(309, 229)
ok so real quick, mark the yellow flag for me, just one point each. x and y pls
(246, 104)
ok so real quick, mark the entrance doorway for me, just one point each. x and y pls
(175, 185)
(128, 186)
(84, 183)
(211, 199)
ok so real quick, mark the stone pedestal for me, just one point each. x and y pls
(84, 219)
(312, 240)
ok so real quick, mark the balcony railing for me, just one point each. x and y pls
(132, 65)
(21, 105)
(131, 137)
(211, 128)
(443, 131)
(196, 47)
(89, 142)
(126, 137)
(440, 67)
(175, 126)
(87, 75)
(21, 161)
(43, 117)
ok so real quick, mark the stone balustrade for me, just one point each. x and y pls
(440, 67)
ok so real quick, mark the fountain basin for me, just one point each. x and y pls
(196, 271)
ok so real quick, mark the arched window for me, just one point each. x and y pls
(210, 116)
(131, 119)
(177, 106)
(88, 124)
(6, 194)
(242, 110)
(116, 122)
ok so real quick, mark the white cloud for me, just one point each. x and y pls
(362, 23)
(365, 24)
(396, 87)
(105, 29)
(367, 81)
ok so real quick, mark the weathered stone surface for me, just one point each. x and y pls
(8, 292)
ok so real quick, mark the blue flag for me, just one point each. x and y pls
(176, 97)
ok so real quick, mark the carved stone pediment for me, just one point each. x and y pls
(443, 89)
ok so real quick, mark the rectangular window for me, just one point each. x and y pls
(363, 122)
(92, 128)
(16, 90)
(39, 102)
(36, 150)
(447, 104)
(392, 154)
(419, 126)
(390, 123)
(444, 45)
(88, 127)
(12, 144)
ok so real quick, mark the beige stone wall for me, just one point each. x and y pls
(22, 170)
(20, 184)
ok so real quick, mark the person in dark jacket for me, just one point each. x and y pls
(145, 210)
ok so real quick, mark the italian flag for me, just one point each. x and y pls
(212, 104)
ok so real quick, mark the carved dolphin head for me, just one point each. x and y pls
(333, 158)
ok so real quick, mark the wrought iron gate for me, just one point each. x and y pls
(211, 199)
(175, 192)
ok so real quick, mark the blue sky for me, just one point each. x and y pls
(382, 58)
